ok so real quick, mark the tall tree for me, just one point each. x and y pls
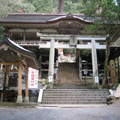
(60, 6)
(106, 16)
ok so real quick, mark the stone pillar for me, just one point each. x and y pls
(26, 85)
(19, 97)
(51, 63)
(94, 62)
(112, 72)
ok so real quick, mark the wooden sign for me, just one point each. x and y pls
(112, 72)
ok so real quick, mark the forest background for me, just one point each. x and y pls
(38, 6)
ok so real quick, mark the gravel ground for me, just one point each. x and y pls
(111, 112)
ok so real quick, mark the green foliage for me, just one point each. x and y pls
(73, 6)
(85, 52)
(41, 6)
(48, 6)
(104, 12)
(69, 51)
(1, 32)
(8, 6)
(28, 8)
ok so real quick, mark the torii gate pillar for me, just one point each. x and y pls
(51, 63)
(94, 63)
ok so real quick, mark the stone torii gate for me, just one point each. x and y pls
(92, 43)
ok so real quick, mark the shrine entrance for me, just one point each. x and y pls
(78, 43)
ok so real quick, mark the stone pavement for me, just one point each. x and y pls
(103, 112)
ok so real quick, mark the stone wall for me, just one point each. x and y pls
(11, 95)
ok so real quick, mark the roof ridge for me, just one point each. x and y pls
(45, 14)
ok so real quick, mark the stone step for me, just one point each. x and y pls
(84, 97)
(74, 102)
(92, 92)
(76, 90)
(74, 99)
(74, 96)
(73, 92)
(67, 74)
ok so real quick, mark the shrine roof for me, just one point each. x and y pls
(12, 52)
(42, 18)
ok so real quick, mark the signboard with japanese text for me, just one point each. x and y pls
(96, 79)
(32, 78)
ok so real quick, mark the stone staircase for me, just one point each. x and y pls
(74, 96)
(68, 75)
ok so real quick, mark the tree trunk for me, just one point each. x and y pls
(60, 7)
(107, 53)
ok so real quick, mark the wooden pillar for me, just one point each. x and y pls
(51, 63)
(19, 97)
(24, 37)
(94, 63)
(5, 77)
(118, 67)
(26, 85)
(80, 68)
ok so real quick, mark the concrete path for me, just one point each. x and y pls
(104, 112)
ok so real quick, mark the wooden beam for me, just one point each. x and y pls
(12, 70)
(15, 64)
